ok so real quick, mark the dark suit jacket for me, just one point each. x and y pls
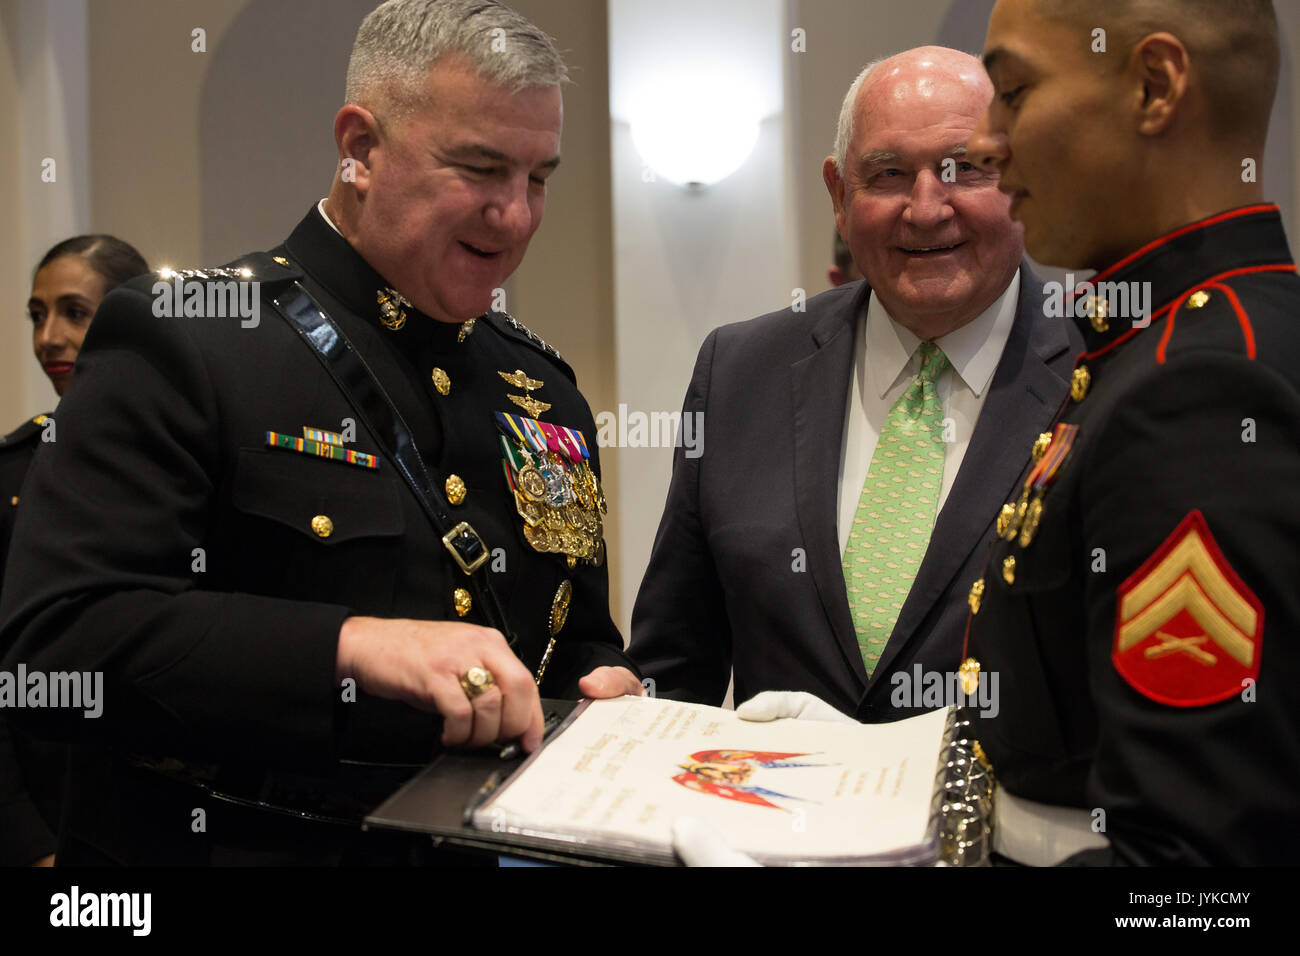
(162, 450)
(746, 568)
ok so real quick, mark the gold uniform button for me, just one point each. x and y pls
(1009, 569)
(14, 501)
(322, 525)
(976, 594)
(969, 673)
(1079, 383)
(441, 381)
(1198, 299)
(460, 599)
(455, 489)
(1041, 444)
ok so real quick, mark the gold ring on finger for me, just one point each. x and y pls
(476, 680)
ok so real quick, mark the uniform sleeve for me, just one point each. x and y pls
(681, 636)
(102, 579)
(1197, 761)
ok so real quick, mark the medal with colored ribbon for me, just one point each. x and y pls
(1029, 509)
(555, 490)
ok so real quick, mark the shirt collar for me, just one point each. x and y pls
(320, 208)
(973, 350)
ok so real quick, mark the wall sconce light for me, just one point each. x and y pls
(695, 130)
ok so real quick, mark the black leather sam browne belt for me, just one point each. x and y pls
(356, 786)
(367, 397)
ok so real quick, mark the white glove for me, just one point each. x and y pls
(699, 845)
(775, 704)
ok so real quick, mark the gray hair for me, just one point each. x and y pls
(398, 42)
(844, 131)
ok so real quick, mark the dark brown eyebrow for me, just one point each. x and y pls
(496, 156)
(68, 298)
(1000, 54)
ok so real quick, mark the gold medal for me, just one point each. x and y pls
(1033, 515)
(1013, 523)
(531, 483)
(560, 607)
(1005, 517)
(538, 538)
(531, 511)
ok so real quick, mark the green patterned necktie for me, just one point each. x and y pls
(891, 528)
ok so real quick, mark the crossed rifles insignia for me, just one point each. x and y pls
(1188, 630)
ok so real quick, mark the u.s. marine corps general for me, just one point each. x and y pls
(1140, 604)
(330, 510)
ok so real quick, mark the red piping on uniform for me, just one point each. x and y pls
(1182, 231)
(1169, 327)
(1159, 313)
(1247, 332)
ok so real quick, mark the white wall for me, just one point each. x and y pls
(53, 111)
(687, 261)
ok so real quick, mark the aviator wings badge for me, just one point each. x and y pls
(519, 379)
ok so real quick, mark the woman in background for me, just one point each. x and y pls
(67, 286)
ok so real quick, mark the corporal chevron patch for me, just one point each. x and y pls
(1188, 631)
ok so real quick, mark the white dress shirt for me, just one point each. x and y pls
(320, 208)
(885, 365)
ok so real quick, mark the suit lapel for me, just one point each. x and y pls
(820, 385)
(1023, 398)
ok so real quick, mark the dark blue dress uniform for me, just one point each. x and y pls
(206, 569)
(31, 771)
(1142, 603)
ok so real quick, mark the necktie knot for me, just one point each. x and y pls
(933, 362)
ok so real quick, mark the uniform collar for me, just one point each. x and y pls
(318, 248)
(1162, 271)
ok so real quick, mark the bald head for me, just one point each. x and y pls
(927, 72)
(1233, 46)
(929, 231)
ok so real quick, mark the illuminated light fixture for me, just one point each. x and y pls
(695, 130)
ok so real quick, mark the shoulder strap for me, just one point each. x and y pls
(367, 397)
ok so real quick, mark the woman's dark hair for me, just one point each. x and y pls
(109, 256)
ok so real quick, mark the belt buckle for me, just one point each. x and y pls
(459, 534)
